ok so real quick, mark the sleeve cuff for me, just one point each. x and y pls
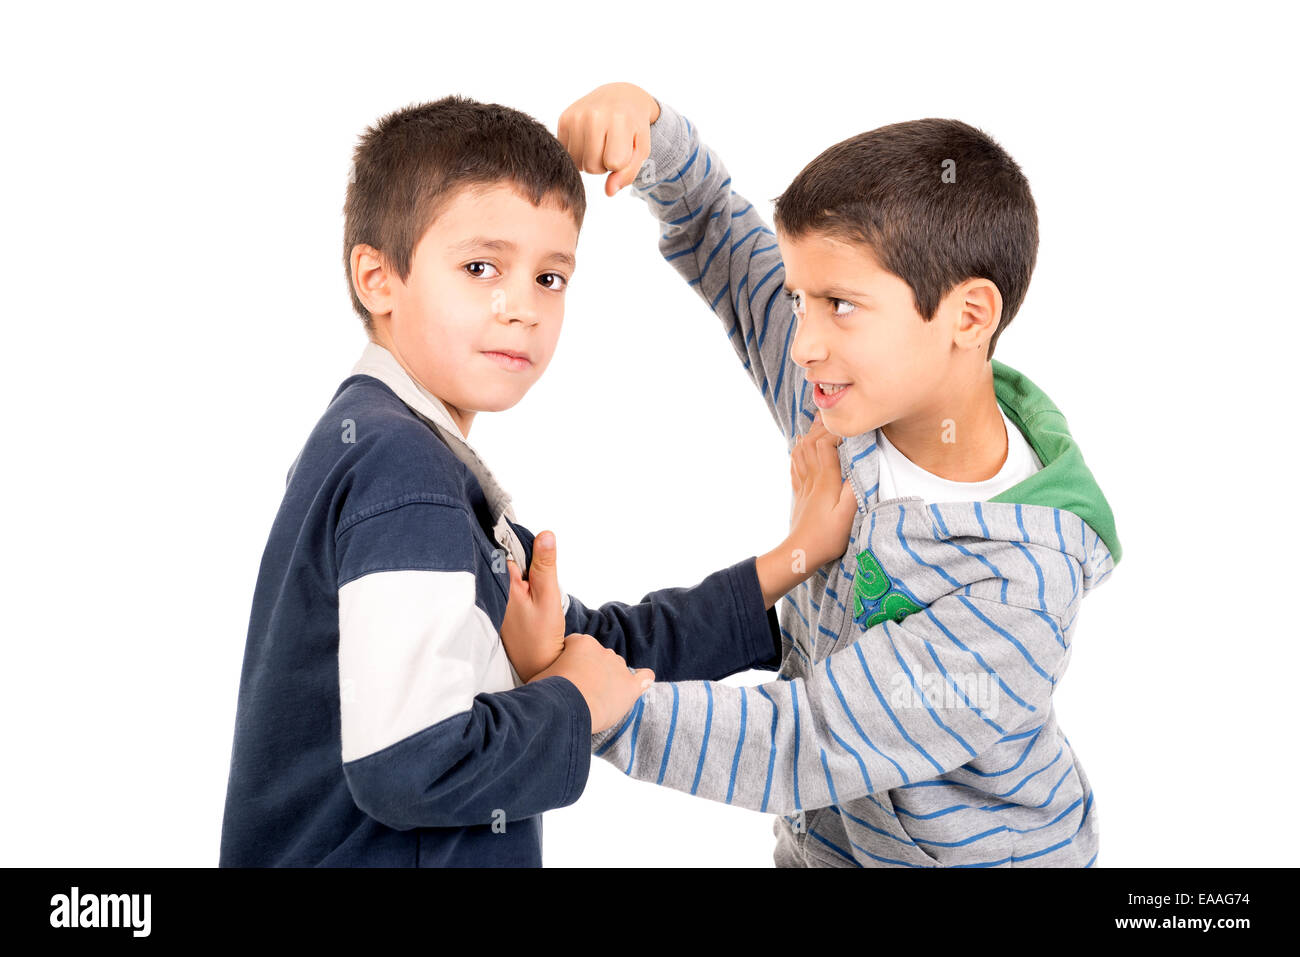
(761, 628)
(571, 701)
(778, 649)
(669, 138)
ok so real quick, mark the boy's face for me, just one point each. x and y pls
(857, 325)
(486, 284)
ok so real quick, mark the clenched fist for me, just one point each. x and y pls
(608, 131)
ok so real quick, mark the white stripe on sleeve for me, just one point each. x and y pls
(414, 648)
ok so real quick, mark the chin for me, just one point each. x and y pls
(833, 428)
(499, 403)
(844, 422)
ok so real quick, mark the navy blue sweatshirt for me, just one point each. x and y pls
(379, 721)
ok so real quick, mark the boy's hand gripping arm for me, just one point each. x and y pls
(710, 630)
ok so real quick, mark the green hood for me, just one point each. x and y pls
(1064, 481)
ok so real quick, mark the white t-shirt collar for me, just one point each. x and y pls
(899, 475)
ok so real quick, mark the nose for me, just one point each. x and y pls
(516, 303)
(808, 346)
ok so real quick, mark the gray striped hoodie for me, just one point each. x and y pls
(911, 723)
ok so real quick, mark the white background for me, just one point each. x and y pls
(177, 319)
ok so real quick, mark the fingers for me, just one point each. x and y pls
(815, 462)
(799, 463)
(571, 132)
(627, 157)
(815, 452)
(574, 639)
(826, 454)
(817, 428)
(593, 148)
(618, 144)
(516, 580)
(817, 432)
(562, 131)
(602, 676)
(605, 137)
(603, 141)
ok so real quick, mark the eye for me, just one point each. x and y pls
(554, 276)
(796, 304)
(478, 275)
(836, 303)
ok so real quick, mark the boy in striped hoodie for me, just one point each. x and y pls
(912, 721)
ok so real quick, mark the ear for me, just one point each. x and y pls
(371, 280)
(979, 305)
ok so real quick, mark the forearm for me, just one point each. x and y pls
(512, 755)
(780, 571)
(718, 242)
(710, 630)
(860, 722)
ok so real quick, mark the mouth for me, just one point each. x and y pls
(828, 394)
(509, 359)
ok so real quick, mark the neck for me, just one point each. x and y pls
(960, 437)
(462, 417)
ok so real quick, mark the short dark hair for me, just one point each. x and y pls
(887, 189)
(409, 165)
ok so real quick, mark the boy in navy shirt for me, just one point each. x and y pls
(399, 704)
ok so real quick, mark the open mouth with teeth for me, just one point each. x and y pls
(828, 394)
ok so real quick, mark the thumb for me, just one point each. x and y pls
(630, 170)
(644, 678)
(620, 178)
(542, 578)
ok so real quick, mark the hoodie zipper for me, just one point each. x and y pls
(891, 501)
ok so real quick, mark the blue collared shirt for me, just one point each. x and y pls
(379, 720)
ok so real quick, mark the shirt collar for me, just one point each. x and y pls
(383, 365)
(378, 362)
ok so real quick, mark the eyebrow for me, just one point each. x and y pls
(834, 292)
(485, 242)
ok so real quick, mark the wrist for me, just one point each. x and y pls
(780, 570)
